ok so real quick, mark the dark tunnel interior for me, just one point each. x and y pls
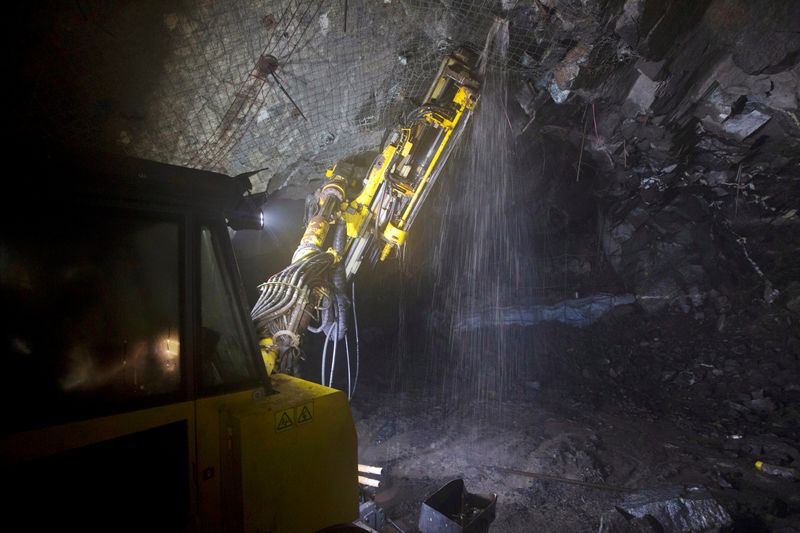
(593, 322)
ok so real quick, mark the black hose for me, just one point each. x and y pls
(284, 289)
(340, 279)
(419, 113)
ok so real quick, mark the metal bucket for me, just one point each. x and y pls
(452, 509)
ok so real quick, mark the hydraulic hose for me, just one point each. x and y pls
(340, 280)
(333, 356)
(289, 287)
(324, 356)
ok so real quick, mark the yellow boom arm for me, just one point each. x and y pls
(366, 222)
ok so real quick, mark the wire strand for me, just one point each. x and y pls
(314, 16)
(347, 350)
(324, 354)
(355, 326)
(333, 355)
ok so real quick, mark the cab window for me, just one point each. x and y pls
(226, 354)
(91, 307)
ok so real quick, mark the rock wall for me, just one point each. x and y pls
(686, 114)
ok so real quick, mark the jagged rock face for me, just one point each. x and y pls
(688, 117)
(650, 158)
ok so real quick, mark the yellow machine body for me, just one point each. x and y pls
(464, 100)
(356, 212)
(284, 462)
(157, 415)
(294, 458)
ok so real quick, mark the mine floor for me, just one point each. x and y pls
(626, 403)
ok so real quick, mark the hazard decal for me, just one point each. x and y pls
(305, 413)
(286, 419)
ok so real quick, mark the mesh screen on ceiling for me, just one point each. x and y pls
(286, 85)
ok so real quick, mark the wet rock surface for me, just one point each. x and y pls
(668, 416)
(675, 509)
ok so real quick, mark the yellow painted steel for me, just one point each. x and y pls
(283, 474)
(395, 236)
(39, 443)
(333, 185)
(354, 222)
(294, 457)
(461, 98)
(211, 444)
(376, 176)
(246, 471)
(393, 233)
(269, 354)
(465, 97)
(358, 209)
(313, 237)
(387, 249)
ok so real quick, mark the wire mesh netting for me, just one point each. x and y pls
(289, 86)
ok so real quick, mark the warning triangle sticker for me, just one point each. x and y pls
(305, 415)
(285, 421)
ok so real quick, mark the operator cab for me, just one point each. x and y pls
(133, 389)
(121, 309)
(127, 297)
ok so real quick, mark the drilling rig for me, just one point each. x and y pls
(352, 220)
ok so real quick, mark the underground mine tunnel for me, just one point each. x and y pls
(402, 265)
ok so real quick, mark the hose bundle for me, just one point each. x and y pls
(280, 307)
(313, 287)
